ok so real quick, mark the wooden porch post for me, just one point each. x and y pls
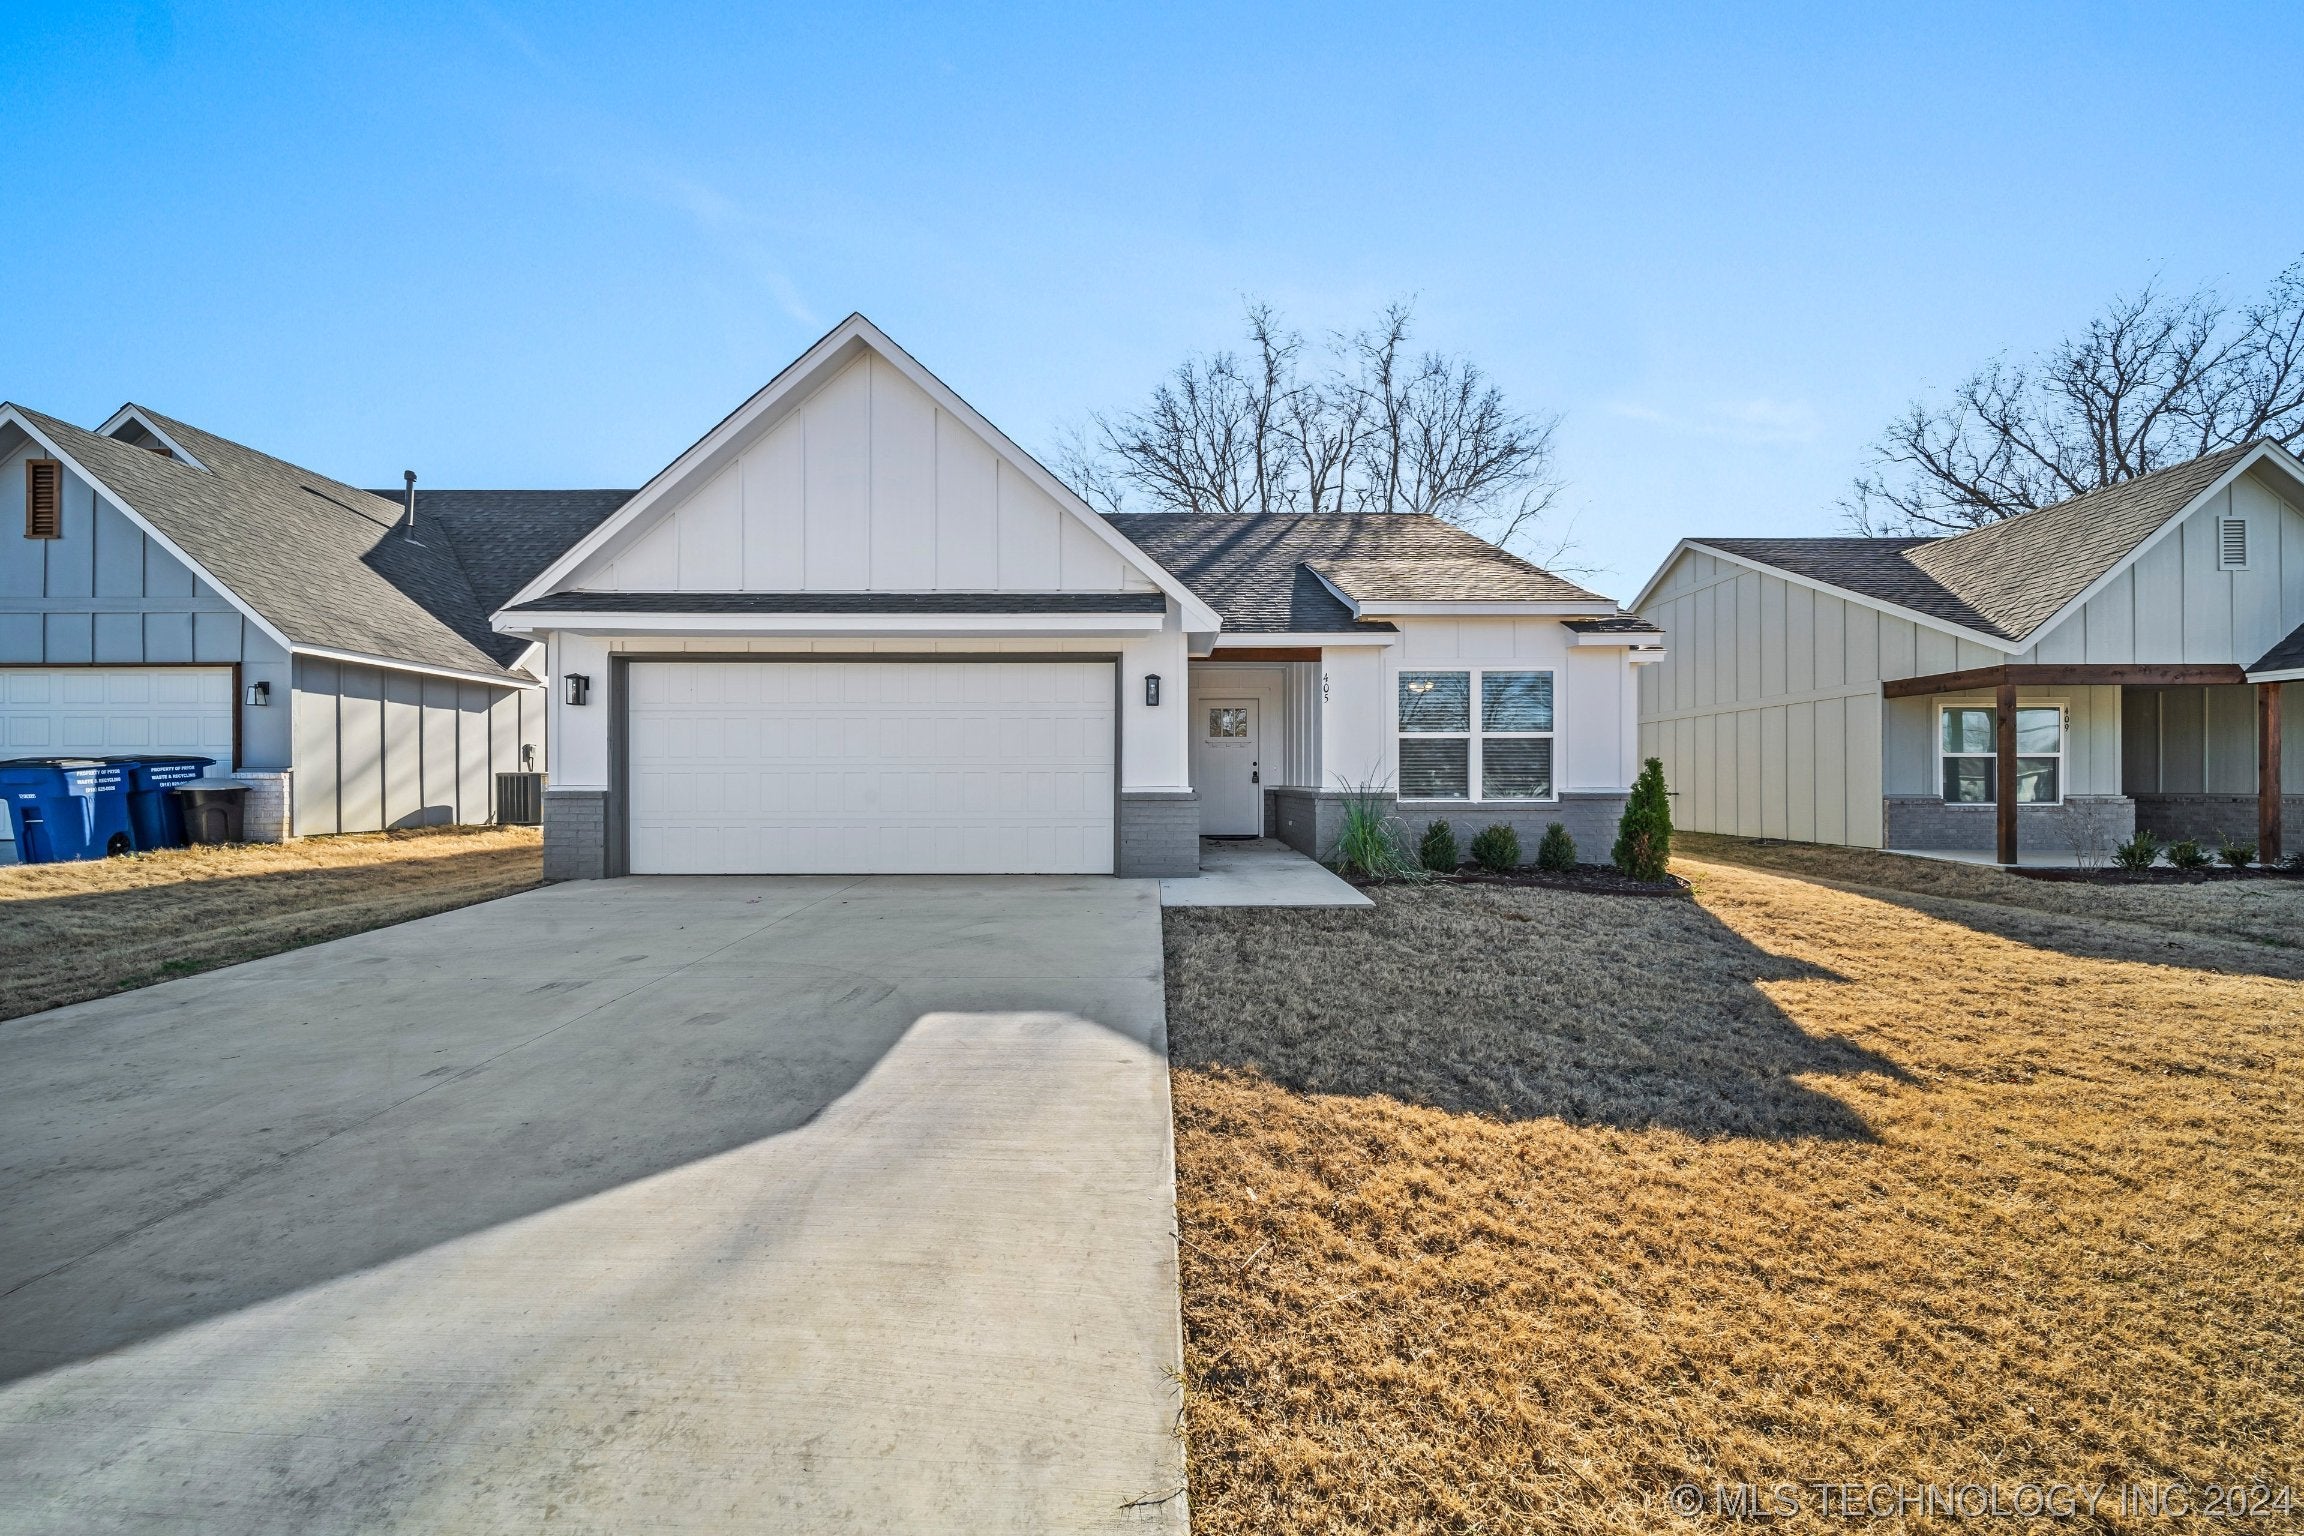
(2004, 751)
(2268, 772)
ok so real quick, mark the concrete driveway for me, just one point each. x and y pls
(669, 1205)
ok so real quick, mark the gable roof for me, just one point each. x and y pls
(832, 353)
(1258, 569)
(318, 564)
(2006, 581)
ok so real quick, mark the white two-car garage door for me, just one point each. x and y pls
(116, 712)
(870, 767)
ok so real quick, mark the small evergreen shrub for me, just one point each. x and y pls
(1557, 852)
(1437, 852)
(2138, 853)
(1644, 835)
(1371, 843)
(2185, 853)
(1496, 849)
(2237, 855)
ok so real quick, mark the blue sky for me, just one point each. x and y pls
(550, 245)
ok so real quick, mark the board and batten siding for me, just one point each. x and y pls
(2173, 605)
(105, 594)
(867, 486)
(1766, 708)
(379, 748)
(1767, 712)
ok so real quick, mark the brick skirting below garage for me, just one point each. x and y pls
(1159, 833)
(575, 834)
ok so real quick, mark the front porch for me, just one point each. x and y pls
(2063, 763)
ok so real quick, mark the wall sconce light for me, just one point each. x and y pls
(259, 694)
(579, 688)
(1151, 688)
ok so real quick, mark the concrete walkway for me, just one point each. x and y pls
(1257, 872)
(675, 1205)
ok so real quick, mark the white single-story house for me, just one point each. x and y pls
(855, 628)
(174, 592)
(2049, 682)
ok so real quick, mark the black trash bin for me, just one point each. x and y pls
(155, 815)
(213, 809)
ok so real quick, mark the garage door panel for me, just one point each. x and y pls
(104, 711)
(863, 767)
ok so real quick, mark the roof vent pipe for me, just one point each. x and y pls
(409, 475)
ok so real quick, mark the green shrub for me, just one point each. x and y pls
(1644, 835)
(1370, 844)
(1437, 852)
(2140, 852)
(2185, 853)
(2238, 855)
(1557, 852)
(1496, 849)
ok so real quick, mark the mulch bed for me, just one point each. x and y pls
(1593, 879)
(2157, 876)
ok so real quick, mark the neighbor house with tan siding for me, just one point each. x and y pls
(2054, 680)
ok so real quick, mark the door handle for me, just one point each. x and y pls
(1255, 774)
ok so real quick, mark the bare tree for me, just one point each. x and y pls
(2152, 381)
(1376, 428)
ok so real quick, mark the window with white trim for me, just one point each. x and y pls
(1490, 727)
(1970, 740)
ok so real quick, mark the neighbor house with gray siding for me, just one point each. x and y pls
(2057, 679)
(173, 591)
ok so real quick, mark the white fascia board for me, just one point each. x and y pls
(2265, 453)
(2285, 675)
(128, 413)
(1299, 638)
(801, 624)
(270, 630)
(836, 349)
(393, 664)
(1634, 642)
(1881, 605)
(1486, 608)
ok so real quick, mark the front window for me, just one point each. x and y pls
(1970, 742)
(1506, 749)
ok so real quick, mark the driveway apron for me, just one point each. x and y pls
(796, 1204)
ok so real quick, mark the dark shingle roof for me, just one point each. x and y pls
(847, 602)
(2007, 578)
(1254, 570)
(323, 562)
(504, 538)
(1621, 624)
(2287, 656)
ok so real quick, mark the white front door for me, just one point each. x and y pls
(1226, 769)
(866, 767)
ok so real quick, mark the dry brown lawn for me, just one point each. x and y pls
(69, 932)
(1510, 1210)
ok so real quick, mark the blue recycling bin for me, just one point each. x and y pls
(155, 815)
(65, 808)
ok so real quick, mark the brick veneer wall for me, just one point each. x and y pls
(575, 834)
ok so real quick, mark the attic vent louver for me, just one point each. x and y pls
(43, 499)
(2232, 543)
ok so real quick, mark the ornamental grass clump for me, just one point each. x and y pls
(1437, 851)
(1644, 834)
(1371, 843)
(1556, 854)
(1496, 849)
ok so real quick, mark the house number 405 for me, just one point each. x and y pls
(1323, 687)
